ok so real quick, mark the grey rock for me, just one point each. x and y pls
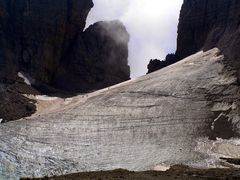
(154, 120)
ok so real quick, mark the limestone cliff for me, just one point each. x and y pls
(44, 39)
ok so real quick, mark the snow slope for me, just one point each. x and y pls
(157, 120)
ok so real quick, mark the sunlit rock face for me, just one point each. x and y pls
(38, 38)
(163, 118)
(35, 34)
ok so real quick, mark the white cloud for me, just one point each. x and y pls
(152, 26)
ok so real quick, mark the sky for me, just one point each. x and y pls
(152, 25)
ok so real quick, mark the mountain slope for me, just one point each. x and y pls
(163, 118)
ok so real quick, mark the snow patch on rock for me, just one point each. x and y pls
(27, 79)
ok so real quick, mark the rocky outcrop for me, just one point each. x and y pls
(160, 119)
(45, 40)
(156, 64)
(14, 106)
(205, 24)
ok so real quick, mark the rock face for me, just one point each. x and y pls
(163, 118)
(99, 57)
(156, 64)
(205, 24)
(40, 38)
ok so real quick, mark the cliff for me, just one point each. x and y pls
(45, 40)
(205, 24)
(98, 59)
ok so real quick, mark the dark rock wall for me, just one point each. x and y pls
(113, 38)
(38, 38)
(14, 106)
(102, 61)
(37, 33)
(205, 24)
